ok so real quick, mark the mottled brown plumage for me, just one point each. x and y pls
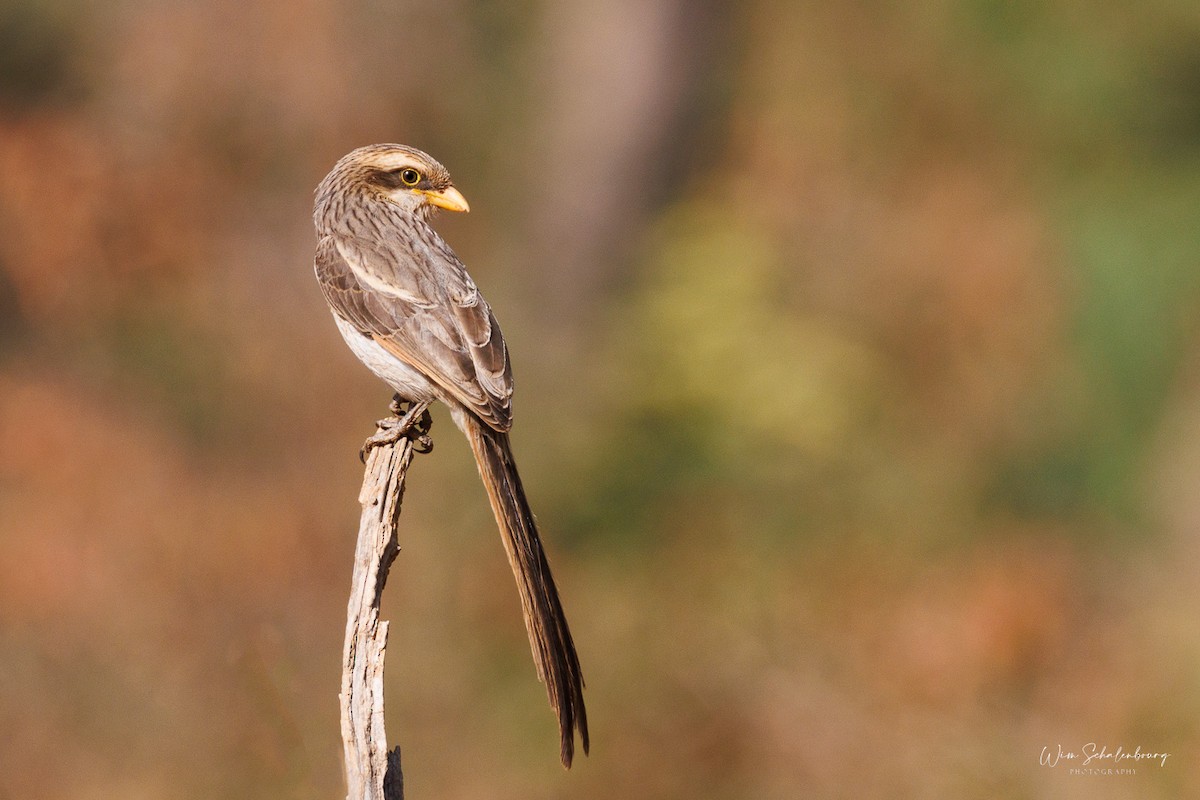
(408, 309)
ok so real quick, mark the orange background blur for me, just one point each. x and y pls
(858, 394)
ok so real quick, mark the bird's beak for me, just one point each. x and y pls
(449, 198)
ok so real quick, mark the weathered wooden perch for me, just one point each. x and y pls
(372, 771)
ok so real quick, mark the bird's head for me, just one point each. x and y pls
(403, 175)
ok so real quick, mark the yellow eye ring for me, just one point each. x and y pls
(410, 176)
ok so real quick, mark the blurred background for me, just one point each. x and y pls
(858, 365)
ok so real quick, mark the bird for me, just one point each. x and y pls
(407, 308)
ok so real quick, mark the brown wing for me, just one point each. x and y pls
(412, 295)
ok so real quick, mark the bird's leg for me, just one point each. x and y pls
(410, 418)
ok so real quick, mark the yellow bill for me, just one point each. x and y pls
(449, 198)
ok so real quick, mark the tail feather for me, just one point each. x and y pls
(549, 637)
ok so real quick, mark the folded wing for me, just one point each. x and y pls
(412, 295)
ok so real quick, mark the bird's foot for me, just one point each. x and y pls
(411, 420)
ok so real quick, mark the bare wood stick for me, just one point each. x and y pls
(373, 772)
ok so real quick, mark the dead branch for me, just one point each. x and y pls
(372, 771)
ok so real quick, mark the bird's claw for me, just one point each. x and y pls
(411, 420)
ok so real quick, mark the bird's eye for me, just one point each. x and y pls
(410, 176)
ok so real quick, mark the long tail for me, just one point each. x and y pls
(545, 622)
